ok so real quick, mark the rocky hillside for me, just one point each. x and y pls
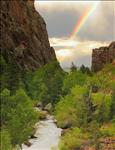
(103, 55)
(24, 35)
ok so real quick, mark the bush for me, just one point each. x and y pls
(45, 84)
(5, 140)
(112, 115)
(72, 108)
(108, 130)
(103, 103)
(10, 76)
(73, 139)
(18, 115)
(72, 79)
(104, 79)
(5, 106)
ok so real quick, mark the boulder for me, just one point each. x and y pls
(33, 137)
(64, 131)
(48, 107)
(43, 114)
(66, 124)
(39, 105)
(27, 143)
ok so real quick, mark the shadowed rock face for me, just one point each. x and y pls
(102, 56)
(24, 34)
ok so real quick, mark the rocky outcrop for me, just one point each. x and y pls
(24, 34)
(102, 56)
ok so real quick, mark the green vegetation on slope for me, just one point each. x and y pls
(5, 140)
(76, 77)
(89, 106)
(83, 101)
(45, 84)
(10, 75)
(20, 91)
(71, 110)
(17, 116)
(73, 139)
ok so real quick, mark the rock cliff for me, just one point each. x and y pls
(102, 56)
(24, 35)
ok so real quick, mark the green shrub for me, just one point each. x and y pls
(108, 130)
(103, 103)
(73, 139)
(112, 109)
(45, 84)
(10, 76)
(72, 79)
(72, 109)
(5, 140)
(18, 115)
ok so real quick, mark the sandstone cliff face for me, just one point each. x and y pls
(24, 35)
(102, 56)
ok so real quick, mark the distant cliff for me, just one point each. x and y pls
(24, 35)
(102, 56)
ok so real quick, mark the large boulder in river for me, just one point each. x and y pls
(43, 114)
(39, 105)
(48, 107)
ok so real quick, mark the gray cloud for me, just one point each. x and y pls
(84, 60)
(61, 19)
(60, 24)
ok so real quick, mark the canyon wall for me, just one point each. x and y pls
(24, 35)
(102, 56)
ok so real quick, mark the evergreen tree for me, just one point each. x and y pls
(84, 69)
(112, 116)
(73, 67)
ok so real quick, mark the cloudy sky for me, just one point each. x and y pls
(76, 27)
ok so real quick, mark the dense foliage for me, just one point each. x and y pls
(84, 103)
(19, 92)
(73, 139)
(73, 78)
(71, 109)
(45, 84)
(89, 104)
(5, 140)
(10, 75)
(17, 116)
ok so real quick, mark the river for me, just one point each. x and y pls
(47, 134)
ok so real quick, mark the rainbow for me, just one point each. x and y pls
(88, 12)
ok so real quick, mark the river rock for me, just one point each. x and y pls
(43, 114)
(33, 137)
(48, 107)
(39, 105)
(27, 143)
(55, 121)
(64, 131)
(66, 124)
